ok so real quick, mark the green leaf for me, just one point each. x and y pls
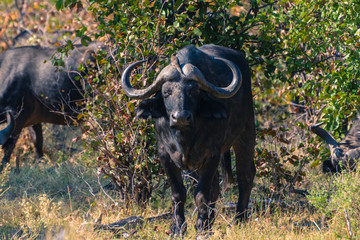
(85, 40)
(59, 5)
(197, 31)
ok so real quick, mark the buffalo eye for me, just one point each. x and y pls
(193, 91)
(167, 93)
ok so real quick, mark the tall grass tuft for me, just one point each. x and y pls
(4, 178)
(339, 203)
(39, 215)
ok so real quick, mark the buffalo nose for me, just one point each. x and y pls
(181, 118)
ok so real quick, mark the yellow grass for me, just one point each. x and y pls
(49, 200)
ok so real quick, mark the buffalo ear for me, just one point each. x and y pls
(150, 108)
(212, 109)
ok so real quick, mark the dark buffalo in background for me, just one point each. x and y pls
(343, 154)
(202, 106)
(33, 91)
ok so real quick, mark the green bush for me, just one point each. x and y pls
(339, 201)
(300, 51)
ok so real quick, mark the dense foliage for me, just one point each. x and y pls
(304, 57)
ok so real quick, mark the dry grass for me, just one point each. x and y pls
(61, 196)
(62, 200)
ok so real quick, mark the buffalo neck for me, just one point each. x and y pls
(178, 143)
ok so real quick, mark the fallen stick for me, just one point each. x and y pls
(131, 222)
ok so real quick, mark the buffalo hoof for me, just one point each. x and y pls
(328, 167)
(241, 217)
(178, 228)
(202, 225)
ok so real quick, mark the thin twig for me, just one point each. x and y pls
(296, 176)
(116, 203)
(218, 213)
(317, 226)
(348, 224)
(189, 176)
(89, 186)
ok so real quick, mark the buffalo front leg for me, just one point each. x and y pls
(37, 137)
(178, 225)
(10, 143)
(8, 148)
(245, 169)
(206, 194)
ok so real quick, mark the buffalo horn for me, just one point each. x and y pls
(141, 93)
(193, 72)
(6, 132)
(324, 135)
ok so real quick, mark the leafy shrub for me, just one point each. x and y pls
(304, 57)
(339, 201)
(126, 148)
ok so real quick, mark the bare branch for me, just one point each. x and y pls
(348, 224)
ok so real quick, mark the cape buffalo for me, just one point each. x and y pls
(33, 91)
(343, 154)
(202, 106)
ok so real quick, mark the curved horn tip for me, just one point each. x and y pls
(237, 80)
(313, 127)
(138, 93)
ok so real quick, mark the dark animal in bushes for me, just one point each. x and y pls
(202, 106)
(343, 154)
(33, 91)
